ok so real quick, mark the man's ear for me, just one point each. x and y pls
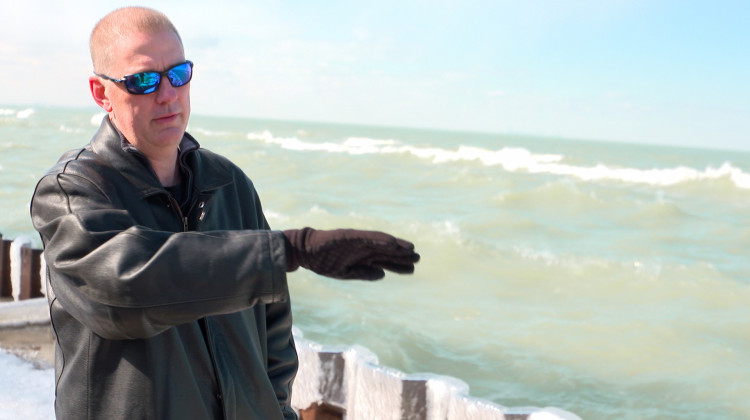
(99, 93)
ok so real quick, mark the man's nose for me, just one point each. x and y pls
(166, 92)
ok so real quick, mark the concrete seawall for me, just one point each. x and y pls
(332, 382)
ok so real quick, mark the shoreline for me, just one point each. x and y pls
(25, 331)
(34, 344)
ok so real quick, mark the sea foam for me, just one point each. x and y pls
(96, 119)
(515, 159)
(23, 114)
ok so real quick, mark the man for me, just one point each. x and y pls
(167, 288)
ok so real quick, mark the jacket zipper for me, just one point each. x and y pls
(178, 212)
(184, 217)
(203, 321)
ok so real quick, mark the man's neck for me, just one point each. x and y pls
(166, 169)
(162, 160)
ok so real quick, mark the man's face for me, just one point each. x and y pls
(154, 122)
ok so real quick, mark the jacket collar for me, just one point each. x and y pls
(112, 146)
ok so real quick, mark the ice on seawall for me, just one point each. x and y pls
(16, 261)
(351, 379)
(16, 267)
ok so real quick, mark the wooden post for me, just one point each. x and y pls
(5, 285)
(26, 286)
(332, 381)
(36, 273)
(331, 389)
(30, 280)
(414, 399)
(322, 411)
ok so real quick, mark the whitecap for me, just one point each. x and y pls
(23, 114)
(97, 118)
(70, 130)
(208, 133)
(545, 256)
(515, 159)
(654, 176)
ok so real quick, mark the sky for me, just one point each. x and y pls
(654, 71)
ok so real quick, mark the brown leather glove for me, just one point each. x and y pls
(348, 254)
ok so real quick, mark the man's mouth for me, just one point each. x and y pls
(166, 118)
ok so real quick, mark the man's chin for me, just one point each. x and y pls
(171, 134)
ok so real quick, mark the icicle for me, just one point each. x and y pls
(16, 263)
(43, 274)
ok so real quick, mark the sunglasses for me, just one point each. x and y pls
(148, 81)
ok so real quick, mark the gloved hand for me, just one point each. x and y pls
(348, 254)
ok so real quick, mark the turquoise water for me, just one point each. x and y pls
(610, 280)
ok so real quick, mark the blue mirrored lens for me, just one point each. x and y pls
(145, 82)
(180, 75)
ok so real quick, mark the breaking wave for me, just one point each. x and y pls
(515, 159)
(21, 115)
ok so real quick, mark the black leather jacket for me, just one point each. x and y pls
(160, 314)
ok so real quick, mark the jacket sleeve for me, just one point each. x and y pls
(126, 281)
